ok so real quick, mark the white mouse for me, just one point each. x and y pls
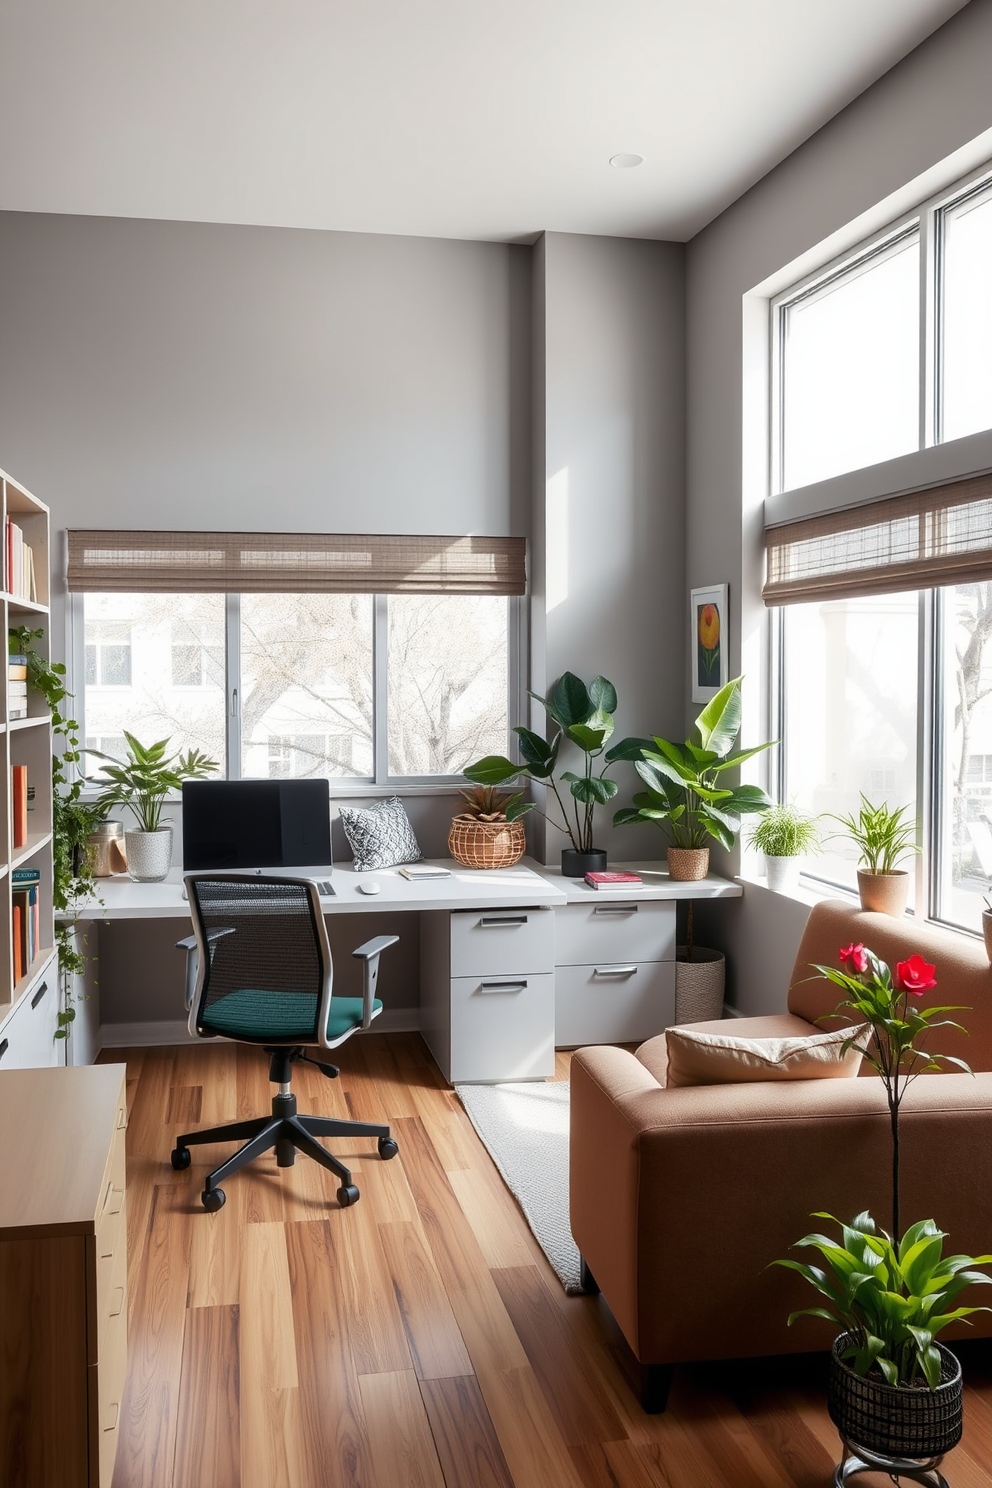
(369, 886)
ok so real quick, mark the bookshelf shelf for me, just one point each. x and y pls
(29, 1001)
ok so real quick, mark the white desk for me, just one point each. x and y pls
(513, 960)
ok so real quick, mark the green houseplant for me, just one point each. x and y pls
(584, 717)
(883, 838)
(894, 1391)
(141, 782)
(784, 834)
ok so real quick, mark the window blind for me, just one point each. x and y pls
(939, 536)
(265, 562)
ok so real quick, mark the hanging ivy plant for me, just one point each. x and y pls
(72, 818)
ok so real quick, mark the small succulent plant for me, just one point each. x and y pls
(486, 803)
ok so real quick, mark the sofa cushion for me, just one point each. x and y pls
(728, 1058)
(654, 1053)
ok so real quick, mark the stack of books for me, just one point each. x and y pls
(17, 686)
(20, 573)
(605, 882)
(26, 918)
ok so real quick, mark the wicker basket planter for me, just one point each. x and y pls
(688, 864)
(486, 844)
(895, 1420)
(699, 985)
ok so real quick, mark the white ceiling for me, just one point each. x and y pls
(447, 118)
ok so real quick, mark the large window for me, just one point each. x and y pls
(338, 686)
(889, 694)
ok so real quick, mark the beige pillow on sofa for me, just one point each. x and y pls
(729, 1059)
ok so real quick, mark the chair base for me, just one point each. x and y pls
(288, 1133)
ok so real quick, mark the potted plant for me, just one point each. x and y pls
(582, 716)
(481, 836)
(882, 837)
(784, 834)
(141, 782)
(895, 1393)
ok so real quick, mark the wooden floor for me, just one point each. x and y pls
(419, 1339)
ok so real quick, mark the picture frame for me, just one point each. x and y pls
(709, 640)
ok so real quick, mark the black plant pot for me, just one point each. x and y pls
(578, 864)
(895, 1420)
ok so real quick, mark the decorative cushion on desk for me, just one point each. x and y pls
(252, 1013)
(728, 1059)
(380, 836)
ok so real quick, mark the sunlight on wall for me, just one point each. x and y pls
(557, 539)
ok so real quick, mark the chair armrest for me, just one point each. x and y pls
(188, 944)
(370, 953)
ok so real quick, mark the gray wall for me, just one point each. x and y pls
(929, 106)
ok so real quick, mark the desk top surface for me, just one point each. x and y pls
(528, 883)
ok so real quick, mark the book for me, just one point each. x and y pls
(19, 803)
(17, 689)
(22, 876)
(17, 671)
(424, 870)
(17, 712)
(618, 880)
(17, 920)
(17, 658)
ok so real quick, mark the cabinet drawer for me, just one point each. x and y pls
(613, 1003)
(106, 1395)
(111, 1293)
(27, 1039)
(615, 930)
(502, 1027)
(505, 940)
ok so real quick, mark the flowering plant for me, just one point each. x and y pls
(889, 1005)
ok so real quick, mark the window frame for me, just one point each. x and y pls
(380, 782)
(859, 486)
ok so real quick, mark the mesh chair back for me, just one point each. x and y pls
(265, 977)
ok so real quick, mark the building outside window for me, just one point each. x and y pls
(889, 694)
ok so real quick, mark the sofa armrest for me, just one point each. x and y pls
(680, 1198)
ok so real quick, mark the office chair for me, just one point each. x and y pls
(258, 970)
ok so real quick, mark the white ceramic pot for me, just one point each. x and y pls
(149, 854)
(782, 874)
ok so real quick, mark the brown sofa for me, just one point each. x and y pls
(680, 1198)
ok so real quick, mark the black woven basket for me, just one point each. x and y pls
(895, 1420)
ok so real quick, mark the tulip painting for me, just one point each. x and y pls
(709, 641)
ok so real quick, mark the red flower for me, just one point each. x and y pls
(857, 955)
(915, 975)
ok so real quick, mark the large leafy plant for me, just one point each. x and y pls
(686, 788)
(579, 715)
(891, 1300)
(145, 778)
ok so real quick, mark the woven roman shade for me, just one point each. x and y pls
(293, 563)
(939, 536)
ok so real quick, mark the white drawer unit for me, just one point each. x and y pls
(614, 930)
(27, 1034)
(487, 993)
(619, 1002)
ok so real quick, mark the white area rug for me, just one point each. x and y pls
(525, 1129)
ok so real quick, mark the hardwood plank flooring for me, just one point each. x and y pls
(420, 1339)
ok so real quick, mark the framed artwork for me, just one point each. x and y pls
(710, 641)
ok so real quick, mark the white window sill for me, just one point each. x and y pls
(810, 892)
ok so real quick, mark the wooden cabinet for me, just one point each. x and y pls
(26, 746)
(63, 1275)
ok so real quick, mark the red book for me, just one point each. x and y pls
(19, 795)
(613, 880)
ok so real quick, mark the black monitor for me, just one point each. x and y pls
(249, 824)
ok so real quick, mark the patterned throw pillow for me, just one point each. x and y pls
(380, 835)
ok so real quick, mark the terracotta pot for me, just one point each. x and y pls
(699, 984)
(885, 893)
(688, 864)
(987, 932)
(492, 844)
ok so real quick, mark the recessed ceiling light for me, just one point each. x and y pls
(624, 162)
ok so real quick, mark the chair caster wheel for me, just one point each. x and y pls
(347, 1194)
(387, 1148)
(180, 1158)
(213, 1199)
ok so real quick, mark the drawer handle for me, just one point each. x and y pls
(39, 994)
(4, 1046)
(614, 971)
(520, 986)
(492, 922)
(112, 1193)
(609, 909)
(122, 1118)
(110, 1416)
(118, 1303)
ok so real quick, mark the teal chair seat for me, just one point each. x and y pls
(250, 1012)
